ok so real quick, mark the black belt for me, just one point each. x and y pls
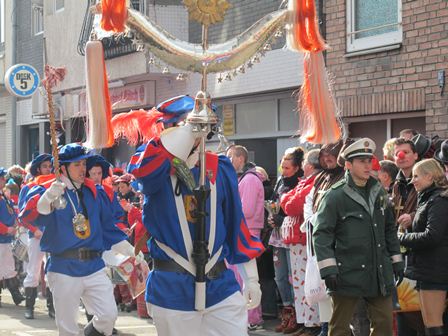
(82, 254)
(172, 266)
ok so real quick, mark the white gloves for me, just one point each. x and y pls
(179, 140)
(55, 191)
(251, 289)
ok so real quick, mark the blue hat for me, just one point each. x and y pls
(3, 172)
(73, 152)
(98, 160)
(174, 108)
(35, 164)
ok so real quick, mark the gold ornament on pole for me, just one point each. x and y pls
(207, 12)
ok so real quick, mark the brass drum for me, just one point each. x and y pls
(20, 250)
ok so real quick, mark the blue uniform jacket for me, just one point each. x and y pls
(59, 234)
(173, 290)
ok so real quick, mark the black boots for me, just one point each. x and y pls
(90, 317)
(13, 285)
(30, 300)
(50, 305)
(89, 330)
(436, 331)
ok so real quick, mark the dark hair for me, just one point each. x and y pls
(390, 168)
(402, 141)
(296, 155)
(408, 130)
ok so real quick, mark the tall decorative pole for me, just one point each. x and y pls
(52, 77)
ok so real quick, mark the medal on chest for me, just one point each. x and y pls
(191, 206)
(81, 224)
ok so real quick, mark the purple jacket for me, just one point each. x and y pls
(251, 192)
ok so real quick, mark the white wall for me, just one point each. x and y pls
(279, 69)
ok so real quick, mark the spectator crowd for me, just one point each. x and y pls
(349, 237)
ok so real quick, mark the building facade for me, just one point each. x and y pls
(7, 102)
(257, 108)
(32, 119)
(389, 61)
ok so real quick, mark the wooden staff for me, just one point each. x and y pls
(54, 143)
(52, 77)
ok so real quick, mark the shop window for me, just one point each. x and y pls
(257, 117)
(287, 114)
(375, 130)
(373, 24)
(417, 123)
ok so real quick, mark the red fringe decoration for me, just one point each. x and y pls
(114, 15)
(317, 107)
(138, 126)
(306, 28)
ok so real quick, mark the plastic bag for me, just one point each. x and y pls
(315, 289)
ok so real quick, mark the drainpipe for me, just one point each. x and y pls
(14, 99)
(322, 22)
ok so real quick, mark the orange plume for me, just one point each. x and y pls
(114, 15)
(139, 125)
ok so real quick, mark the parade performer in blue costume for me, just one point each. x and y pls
(168, 213)
(75, 237)
(40, 169)
(98, 169)
(7, 232)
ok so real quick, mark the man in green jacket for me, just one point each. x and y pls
(356, 244)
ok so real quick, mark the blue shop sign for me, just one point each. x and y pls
(22, 80)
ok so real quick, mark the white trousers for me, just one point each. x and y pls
(227, 318)
(96, 292)
(7, 265)
(33, 267)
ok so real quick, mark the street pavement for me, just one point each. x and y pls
(12, 322)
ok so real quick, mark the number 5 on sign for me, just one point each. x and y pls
(22, 80)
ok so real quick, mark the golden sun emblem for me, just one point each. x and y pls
(207, 12)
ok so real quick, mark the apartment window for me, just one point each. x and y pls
(139, 5)
(2, 26)
(373, 24)
(37, 15)
(59, 5)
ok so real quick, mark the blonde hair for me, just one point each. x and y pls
(433, 168)
(263, 172)
(388, 149)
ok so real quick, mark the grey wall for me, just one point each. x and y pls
(29, 46)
